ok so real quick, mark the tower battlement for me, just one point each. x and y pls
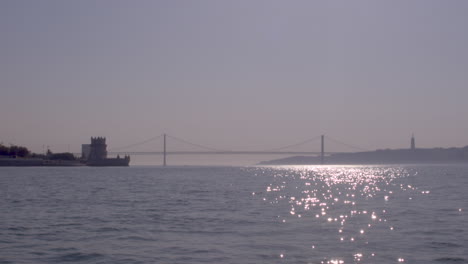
(98, 148)
(98, 140)
(95, 154)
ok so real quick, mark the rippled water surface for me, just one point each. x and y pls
(353, 214)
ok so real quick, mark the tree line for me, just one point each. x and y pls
(23, 152)
(14, 151)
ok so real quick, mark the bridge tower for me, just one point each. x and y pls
(164, 151)
(322, 153)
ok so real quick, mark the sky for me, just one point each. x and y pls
(240, 75)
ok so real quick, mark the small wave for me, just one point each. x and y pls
(136, 238)
(65, 224)
(450, 259)
(197, 191)
(38, 253)
(110, 229)
(19, 228)
(61, 249)
(71, 257)
(444, 245)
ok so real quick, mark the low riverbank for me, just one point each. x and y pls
(35, 162)
(386, 156)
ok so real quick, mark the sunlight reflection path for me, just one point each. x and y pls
(346, 205)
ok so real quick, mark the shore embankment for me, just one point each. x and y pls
(33, 162)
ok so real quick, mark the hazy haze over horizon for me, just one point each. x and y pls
(234, 74)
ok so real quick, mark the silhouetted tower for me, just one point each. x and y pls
(322, 153)
(413, 144)
(164, 151)
(98, 148)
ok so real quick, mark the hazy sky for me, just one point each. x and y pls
(234, 74)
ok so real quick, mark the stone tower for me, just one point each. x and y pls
(98, 149)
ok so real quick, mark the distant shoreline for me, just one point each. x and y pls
(35, 162)
(387, 156)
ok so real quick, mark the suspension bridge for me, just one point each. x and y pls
(206, 150)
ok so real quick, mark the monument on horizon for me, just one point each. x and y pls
(95, 154)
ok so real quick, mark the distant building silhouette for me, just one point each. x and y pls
(97, 150)
(413, 144)
(95, 154)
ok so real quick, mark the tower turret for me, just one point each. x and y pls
(98, 148)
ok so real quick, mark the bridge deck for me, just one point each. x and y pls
(222, 153)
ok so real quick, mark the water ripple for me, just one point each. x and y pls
(303, 214)
(77, 257)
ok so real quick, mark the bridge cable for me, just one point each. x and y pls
(135, 144)
(345, 144)
(292, 145)
(197, 145)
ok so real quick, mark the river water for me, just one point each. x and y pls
(290, 214)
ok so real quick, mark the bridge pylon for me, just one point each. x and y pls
(322, 152)
(164, 150)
